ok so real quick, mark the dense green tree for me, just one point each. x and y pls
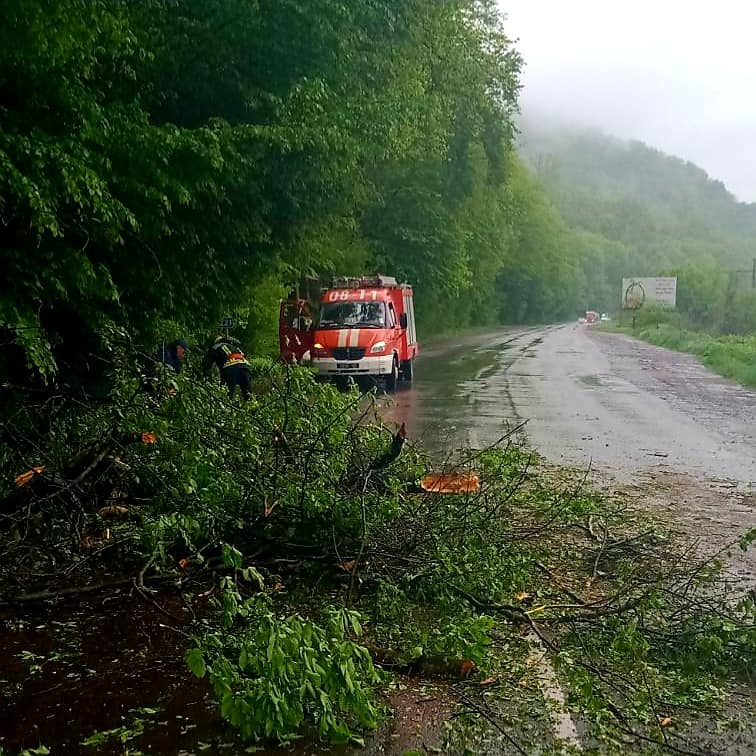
(538, 279)
(163, 163)
(159, 158)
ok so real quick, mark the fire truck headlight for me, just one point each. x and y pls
(379, 346)
(318, 350)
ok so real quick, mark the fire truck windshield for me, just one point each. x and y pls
(353, 315)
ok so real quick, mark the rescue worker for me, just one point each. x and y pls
(374, 314)
(234, 370)
(166, 358)
(172, 355)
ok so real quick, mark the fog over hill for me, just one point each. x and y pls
(630, 209)
(603, 163)
(673, 74)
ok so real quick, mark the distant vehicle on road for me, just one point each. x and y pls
(591, 317)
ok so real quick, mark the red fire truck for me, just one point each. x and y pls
(365, 328)
(295, 323)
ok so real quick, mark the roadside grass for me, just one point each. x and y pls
(733, 357)
(331, 569)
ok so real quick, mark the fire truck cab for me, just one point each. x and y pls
(366, 328)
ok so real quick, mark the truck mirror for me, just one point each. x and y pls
(403, 320)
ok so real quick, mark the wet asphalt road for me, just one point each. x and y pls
(652, 422)
(461, 393)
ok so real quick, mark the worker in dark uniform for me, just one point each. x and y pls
(172, 355)
(234, 370)
(167, 358)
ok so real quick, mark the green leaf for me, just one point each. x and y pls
(251, 574)
(196, 662)
(232, 557)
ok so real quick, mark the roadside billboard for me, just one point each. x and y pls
(637, 292)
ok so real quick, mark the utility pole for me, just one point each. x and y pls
(753, 274)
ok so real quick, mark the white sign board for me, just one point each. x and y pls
(640, 292)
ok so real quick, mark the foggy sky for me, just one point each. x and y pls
(680, 76)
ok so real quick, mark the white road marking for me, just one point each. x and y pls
(564, 725)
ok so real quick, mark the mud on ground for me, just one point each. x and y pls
(84, 667)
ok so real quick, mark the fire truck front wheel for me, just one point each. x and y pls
(407, 370)
(393, 377)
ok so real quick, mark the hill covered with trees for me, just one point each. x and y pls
(631, 210)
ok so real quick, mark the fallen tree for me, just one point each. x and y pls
(329, 553)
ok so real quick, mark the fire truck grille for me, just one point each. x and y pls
(349, 353)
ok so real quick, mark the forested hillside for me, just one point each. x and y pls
(633, 210)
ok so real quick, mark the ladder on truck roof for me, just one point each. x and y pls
(364, 282)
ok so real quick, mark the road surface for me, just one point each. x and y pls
(653, 423)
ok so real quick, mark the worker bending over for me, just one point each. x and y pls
(234, 370)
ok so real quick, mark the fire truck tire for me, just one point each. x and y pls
(393, 377)
(407, 370)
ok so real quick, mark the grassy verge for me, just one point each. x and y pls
(733, 357)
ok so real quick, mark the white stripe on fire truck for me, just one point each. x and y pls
(342, 338)
(354, 338)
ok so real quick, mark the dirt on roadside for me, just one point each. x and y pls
(707, 512)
